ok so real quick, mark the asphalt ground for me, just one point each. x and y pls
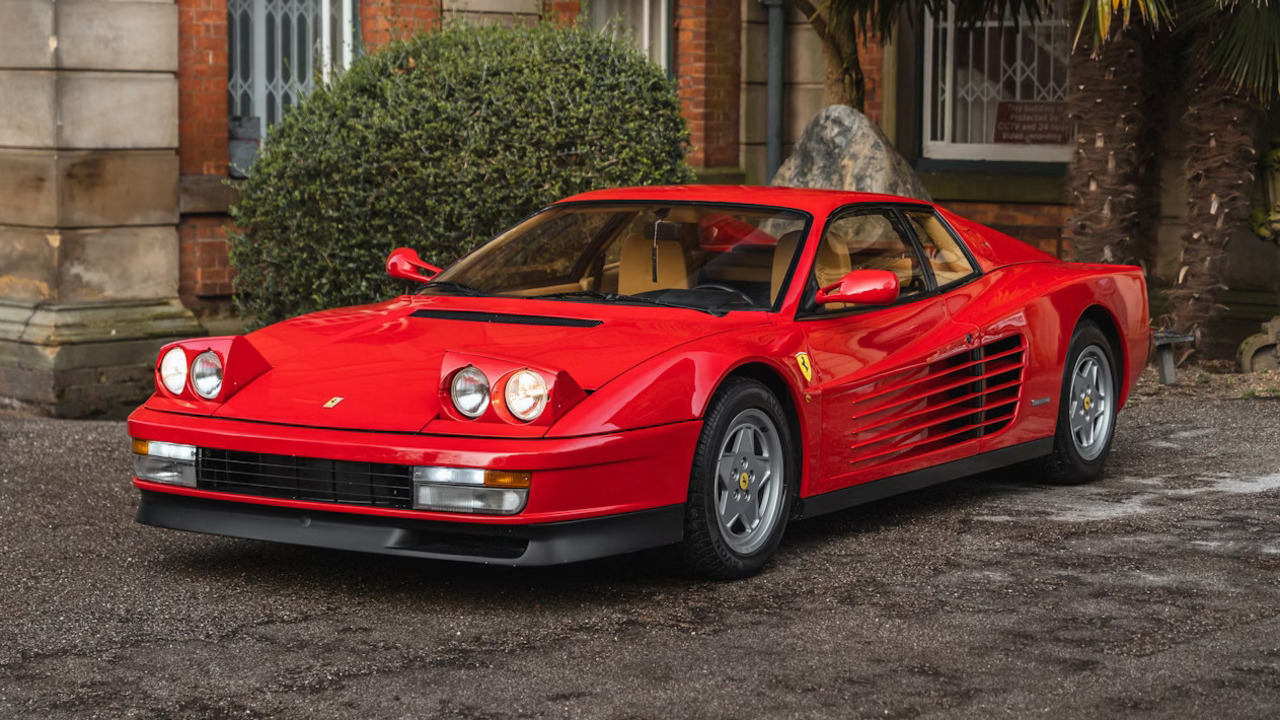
(1151, 594)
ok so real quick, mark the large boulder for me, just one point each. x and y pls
(841, 149)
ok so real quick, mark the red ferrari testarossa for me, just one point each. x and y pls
(634, 368)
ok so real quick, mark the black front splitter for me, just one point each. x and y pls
(524, 545)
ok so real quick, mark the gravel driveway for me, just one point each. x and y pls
(1152, 594)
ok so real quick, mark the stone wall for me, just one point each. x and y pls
(88, 201)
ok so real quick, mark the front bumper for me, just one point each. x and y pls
(524, 545)
(573, 478)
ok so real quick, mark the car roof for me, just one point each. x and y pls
(808, 199)
(991, 248)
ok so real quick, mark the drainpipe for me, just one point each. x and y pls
(773, 91)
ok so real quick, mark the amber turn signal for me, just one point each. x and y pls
(506, 479)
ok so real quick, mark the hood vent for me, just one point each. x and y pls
(934, 406)
(505, 318)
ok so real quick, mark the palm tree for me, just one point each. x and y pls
(1234, 68)
(1115, 88)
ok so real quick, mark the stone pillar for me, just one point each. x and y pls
(88, 201)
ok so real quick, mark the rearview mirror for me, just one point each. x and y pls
(862, 287)
(404, 263)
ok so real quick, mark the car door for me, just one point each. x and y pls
(894, 381)
(1005, 347)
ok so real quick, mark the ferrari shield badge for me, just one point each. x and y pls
(806, 368)
(333, 401)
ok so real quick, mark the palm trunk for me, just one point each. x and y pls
(843, 82)
(1114, 181)
(1221, 124)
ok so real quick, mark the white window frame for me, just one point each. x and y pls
(946, 148)
(655, 14)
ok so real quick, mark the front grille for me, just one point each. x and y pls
(297, 478)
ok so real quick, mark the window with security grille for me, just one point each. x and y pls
(644, 23)
(278, 49)
(997, 90)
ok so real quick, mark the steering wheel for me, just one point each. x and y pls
(726, 288)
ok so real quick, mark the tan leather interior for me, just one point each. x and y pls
(636, 272)
(782, 254)
(832, 261)
(945, 257)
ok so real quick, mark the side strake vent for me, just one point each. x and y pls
(938, 405)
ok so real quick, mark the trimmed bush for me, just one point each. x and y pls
(438, 143)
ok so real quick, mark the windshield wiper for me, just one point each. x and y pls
(463, 288)
(578, 293)
(616, 297)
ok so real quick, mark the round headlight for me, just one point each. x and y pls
(173, 370)
(206, 375)
(526, 394)
(470, 391)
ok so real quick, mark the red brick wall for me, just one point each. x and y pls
(708, 65)
(871, 57)
(205, 271)
(202, 87)
(382, 21)
(1034, 224)
(562, 12)
(202, 142)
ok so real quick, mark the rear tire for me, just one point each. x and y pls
(741, 484)
(1086, 409)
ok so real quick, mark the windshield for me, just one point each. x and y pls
(713, 257)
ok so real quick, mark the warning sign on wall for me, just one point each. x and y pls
(1032, 123)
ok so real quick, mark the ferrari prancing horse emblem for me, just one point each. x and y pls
(806, 368)
(333, 401)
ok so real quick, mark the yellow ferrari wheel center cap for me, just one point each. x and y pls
(742, 481)
(1088, 402)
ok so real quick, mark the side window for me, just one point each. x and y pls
(868, 241)
(946, 258)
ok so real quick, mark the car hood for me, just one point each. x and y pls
(384, 361)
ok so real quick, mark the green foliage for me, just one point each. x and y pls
(437, 143)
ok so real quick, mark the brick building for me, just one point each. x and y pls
(115, 143)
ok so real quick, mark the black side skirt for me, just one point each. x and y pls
(545, 544)
(890, 486)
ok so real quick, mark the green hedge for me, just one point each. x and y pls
(437, 143)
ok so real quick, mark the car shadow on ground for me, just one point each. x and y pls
(289, 567)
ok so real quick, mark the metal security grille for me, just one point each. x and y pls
(295, 478)
(970, 71)
(276, 49)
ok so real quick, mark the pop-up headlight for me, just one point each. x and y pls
(470, 490)
(173, 370)
(163, 462)
(470, 391)
(206, 374)
(526, 395)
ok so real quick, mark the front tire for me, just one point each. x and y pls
(1086, 409)
(741, 485)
